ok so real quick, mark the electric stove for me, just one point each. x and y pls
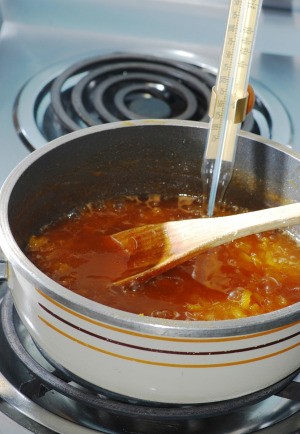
(72, 64)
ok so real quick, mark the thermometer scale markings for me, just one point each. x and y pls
(229, 96)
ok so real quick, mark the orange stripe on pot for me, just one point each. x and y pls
(171, 365)
(158, 350)
(161, 338)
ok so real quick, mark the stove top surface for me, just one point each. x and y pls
(34, 40)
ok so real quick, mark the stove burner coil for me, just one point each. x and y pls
(124, 87)
(45, 381)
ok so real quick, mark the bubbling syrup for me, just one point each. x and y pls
(250, 276)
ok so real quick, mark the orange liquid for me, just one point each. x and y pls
(249, 276)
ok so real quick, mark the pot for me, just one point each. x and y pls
(143, 358)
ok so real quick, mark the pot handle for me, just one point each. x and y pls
(3, 267)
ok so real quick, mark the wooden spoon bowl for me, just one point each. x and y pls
(155, 248)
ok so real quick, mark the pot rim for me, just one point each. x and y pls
(114, 317)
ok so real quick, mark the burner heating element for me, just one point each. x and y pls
(122, 87)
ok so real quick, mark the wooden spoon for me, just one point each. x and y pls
(155, 248)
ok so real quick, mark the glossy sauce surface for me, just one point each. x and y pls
(249, 276)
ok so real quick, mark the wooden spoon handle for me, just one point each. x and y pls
(190, 234)
(263, 220)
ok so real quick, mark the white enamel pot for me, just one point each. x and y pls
(143, 358)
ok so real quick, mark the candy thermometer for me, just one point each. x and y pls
(229, 99)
